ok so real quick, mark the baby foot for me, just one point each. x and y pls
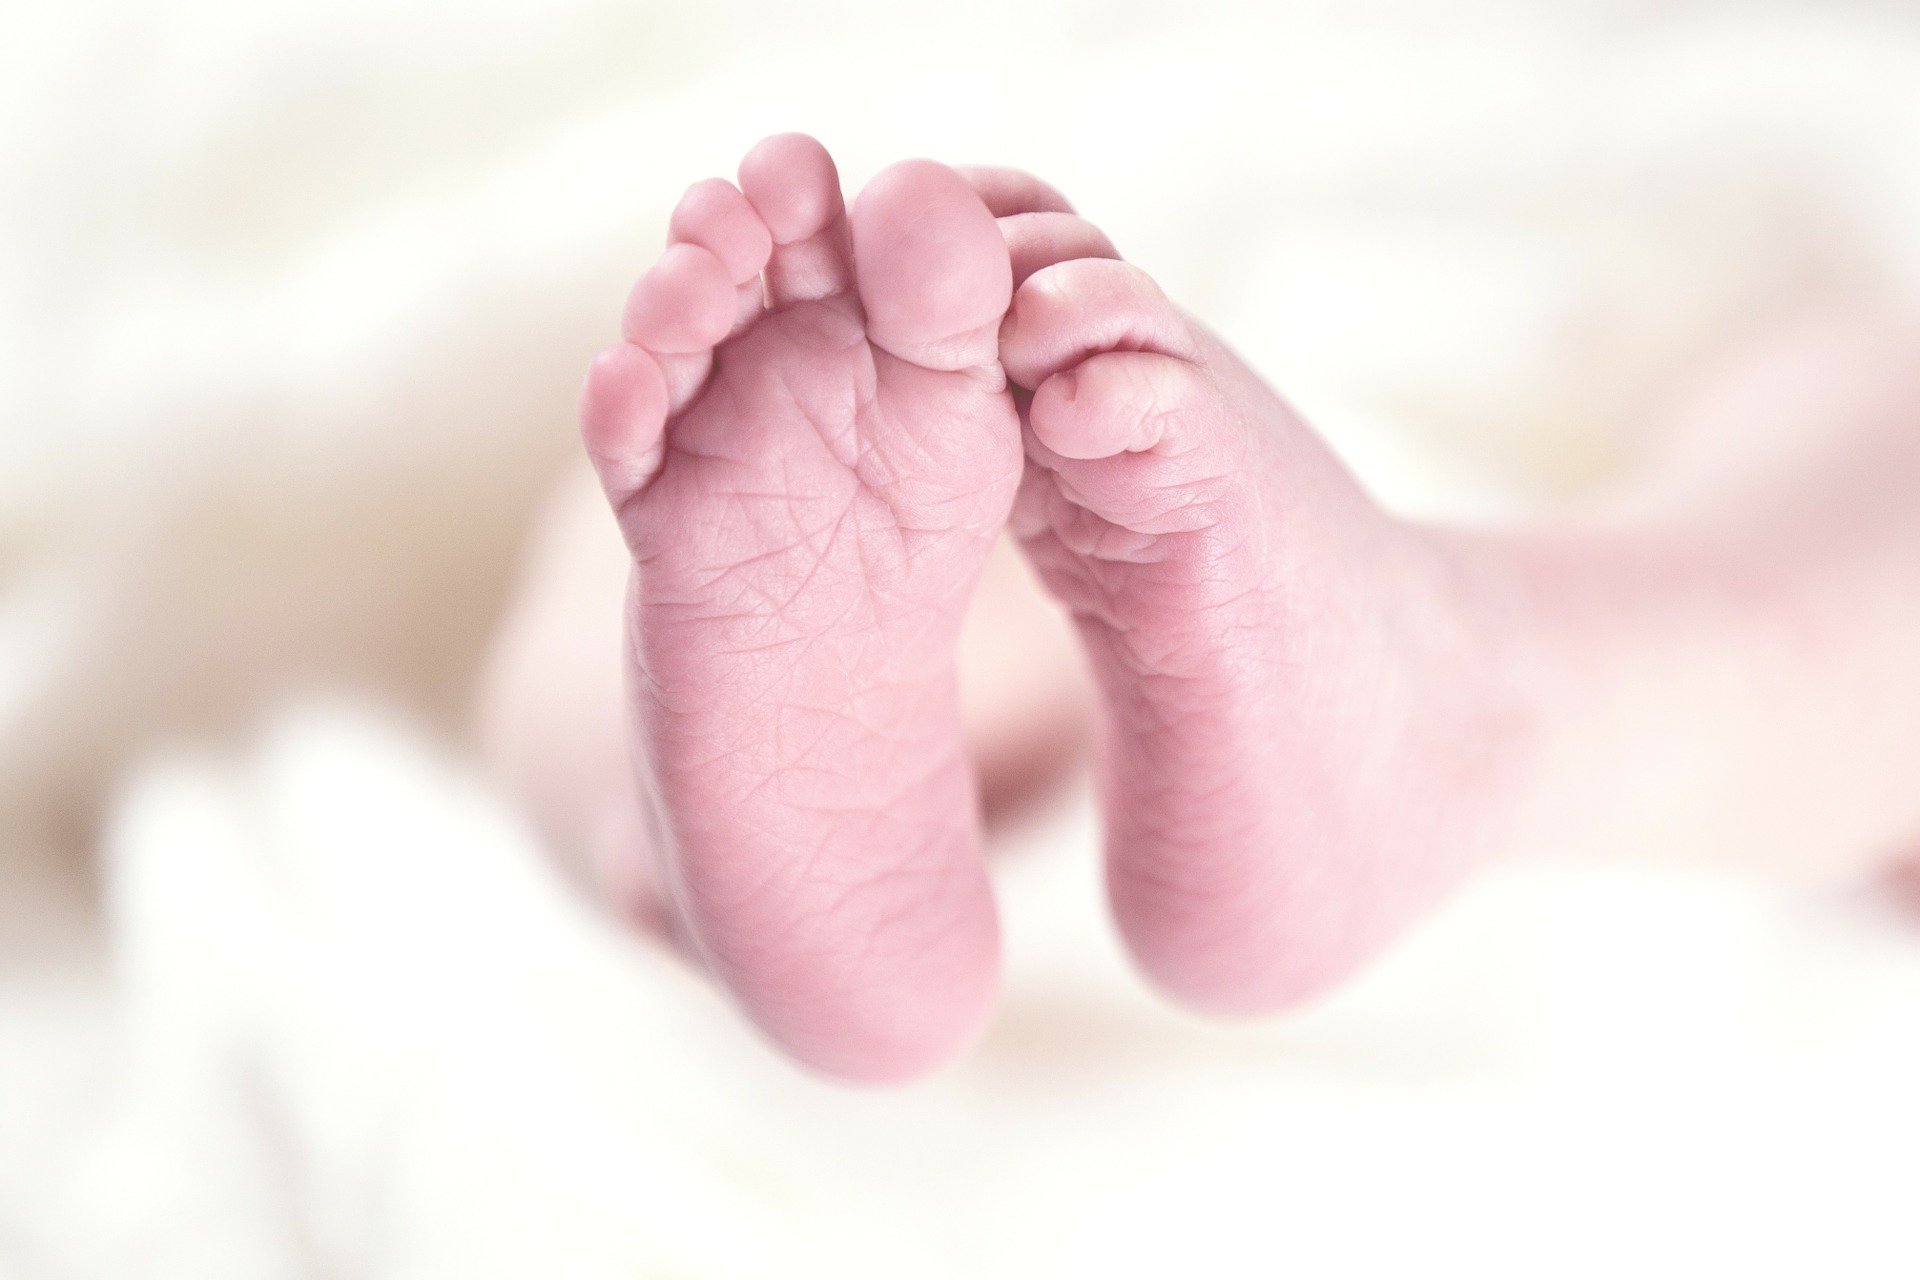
(1308, 724)
(808, 442)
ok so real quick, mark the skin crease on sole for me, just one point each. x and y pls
(810, 448)
(807, 443)
(1309, 708)
(1318, 718)
(1315, 718)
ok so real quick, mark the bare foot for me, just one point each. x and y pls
(810, 481)
(552, 724)
(1319, 717)
(1311, 713)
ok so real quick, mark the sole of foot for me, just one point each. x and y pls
(1312, 716)
(808, 442)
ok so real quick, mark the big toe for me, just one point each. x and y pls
(933, 269)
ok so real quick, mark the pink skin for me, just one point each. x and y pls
(1149, 508)
(1255, 625)
(810, 483)
(1316, 718)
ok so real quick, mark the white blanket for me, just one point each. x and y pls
(292, 303)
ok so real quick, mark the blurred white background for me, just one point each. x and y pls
(293, 303)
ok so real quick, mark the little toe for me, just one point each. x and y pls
(1121, 402)
(933, 268)
(1071, 310)
(792, 184)
(714, 215)
(685, 304)
(623, 413)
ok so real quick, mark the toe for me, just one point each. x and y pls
(792, 184)
(1121, 402)
(714, 215)
(933, 267)
(1011, 191)
(685, 304)
(1036, 241)
(1072, 310)
(623, 410)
